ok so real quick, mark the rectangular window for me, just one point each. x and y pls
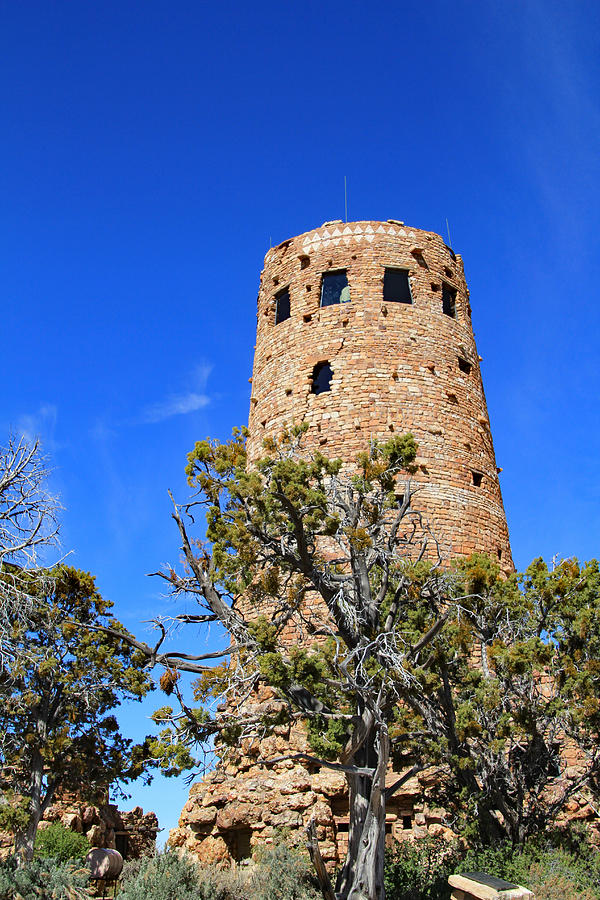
(448, 300)
(334, 288)
(282, 306)
(396, 287)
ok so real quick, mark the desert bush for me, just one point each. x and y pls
(419, 870)
(58, 842)
(549, 871)
(43, 879)
(165, 876)
(282, 873)
(279, 873)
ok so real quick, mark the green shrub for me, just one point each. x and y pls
(549, 871)
(419, 869)
(60, 843)
(42, 879)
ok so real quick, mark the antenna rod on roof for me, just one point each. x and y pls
(346, 197)
(448, 230)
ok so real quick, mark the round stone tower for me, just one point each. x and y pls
(364, 330)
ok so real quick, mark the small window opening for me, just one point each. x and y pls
(406, 822)
(307, 317)
(321, 378)
(499, 552)
(434, 287)
(449, 300)
(309, 287)
(288, 392)
(396, 287)
(121, 844)
(477, 478)
(282, 306)
(342, 827)
(452, 398)
(448, 272)
(304, 262)
(464, 365)
(334, 288)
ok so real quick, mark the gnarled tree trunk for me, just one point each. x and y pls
(361, 877)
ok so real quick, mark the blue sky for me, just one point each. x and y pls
(152, 151)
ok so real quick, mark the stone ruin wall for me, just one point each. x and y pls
(132, 833)
(396, 368)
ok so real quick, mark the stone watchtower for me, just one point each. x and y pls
(364, 330)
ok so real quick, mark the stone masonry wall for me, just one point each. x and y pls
(133, 833)
(396, 368)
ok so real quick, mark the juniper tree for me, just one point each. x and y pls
(277, 532)
(399, 657)
(57, 697)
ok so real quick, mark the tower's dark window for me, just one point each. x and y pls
(334, 288)
(477, 478)
(396, 288)
(321, 378)
(464, 365)
(282, 306)
(406, 822)
(448, 300)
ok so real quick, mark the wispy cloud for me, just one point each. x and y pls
(40, 424)
(179, 404)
